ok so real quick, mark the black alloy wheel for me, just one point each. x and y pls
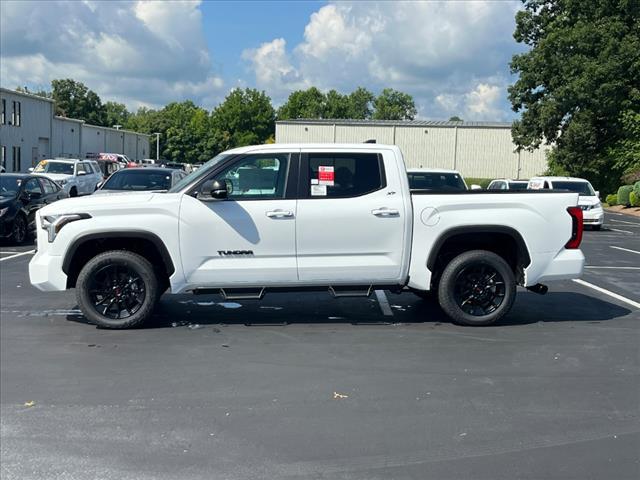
(116, 291)
(479, 289)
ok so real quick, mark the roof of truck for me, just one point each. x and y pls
(560, 179)
(319, 146)
(432, 170)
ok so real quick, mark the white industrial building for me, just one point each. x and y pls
(30, 131)
(476, 149)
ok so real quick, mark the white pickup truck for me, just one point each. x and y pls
(338, 218)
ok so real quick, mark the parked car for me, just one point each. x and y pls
(508, 184)
(21, 195)
(109, 167)
(148, 161)
(118, 157)
(141, 179)
(436, 180)
(76, 177)
(588, 200)
(338, 218)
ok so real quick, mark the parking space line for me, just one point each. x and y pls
(624, 221)
(616, 230)
(607, 292)
(625, 249)
(384, 303)
(615, 268)
(17, 255)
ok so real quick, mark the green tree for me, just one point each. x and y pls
(336, 105)
(115, 114)
(394, 105)
(455, 118)
(245, 117)
(577, 83)
(308, 103)
(74, 100)
(360, 103)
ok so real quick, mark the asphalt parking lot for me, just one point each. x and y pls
(304, 386)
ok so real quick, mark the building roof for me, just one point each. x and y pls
(28, 95)
(394, 123)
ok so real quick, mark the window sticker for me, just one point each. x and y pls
(326, 175)
(314, 181)
(318, 190)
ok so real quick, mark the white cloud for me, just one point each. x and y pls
(140, 53)
(439, 52)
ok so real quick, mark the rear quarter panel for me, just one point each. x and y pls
(540, 218)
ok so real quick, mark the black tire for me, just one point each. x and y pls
(133, 284)
(73, 192)
(477, 288)
(19, 231)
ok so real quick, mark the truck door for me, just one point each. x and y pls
(249, 238)
(351, 218)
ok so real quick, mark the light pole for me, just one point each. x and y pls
(157, 134)
(117, 127)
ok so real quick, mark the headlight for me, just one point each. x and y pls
(54, 223)
(3, 211)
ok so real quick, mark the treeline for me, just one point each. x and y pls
(189, 133)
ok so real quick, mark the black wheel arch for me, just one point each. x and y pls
(90, 245)
(504, 241)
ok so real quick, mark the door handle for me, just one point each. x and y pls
(280, 214)
(385, 212)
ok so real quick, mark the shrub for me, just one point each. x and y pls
(623, 195)
(634, 199)
(612, 199)
(636, 188)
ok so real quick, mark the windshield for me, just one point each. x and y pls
(138, 180)
(436, 181)
(199, 173)
(517, 185)
(583, 189)
(9, 186)
(54, 167)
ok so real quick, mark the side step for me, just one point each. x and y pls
(351, 291)
(233, 293)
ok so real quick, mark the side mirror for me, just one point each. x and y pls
(476, 187)
(215, 190)
(30, 169)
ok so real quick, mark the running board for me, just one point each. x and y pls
(351, 291)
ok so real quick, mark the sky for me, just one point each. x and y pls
(451, 56)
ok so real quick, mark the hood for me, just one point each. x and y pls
(56, 177)
(588, 200)
(96, 204)
(106, 191)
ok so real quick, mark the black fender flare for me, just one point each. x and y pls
(152, 237)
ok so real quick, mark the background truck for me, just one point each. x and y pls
(332, 217)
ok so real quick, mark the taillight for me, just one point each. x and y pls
(577, 227)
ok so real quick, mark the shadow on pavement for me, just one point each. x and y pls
(280, 309)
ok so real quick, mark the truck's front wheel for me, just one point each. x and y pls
(477, 288)
(117, 289)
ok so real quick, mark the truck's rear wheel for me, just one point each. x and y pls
(477, 288)
(117, 289)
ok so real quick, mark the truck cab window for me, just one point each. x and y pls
(258, 176)
(337, 175)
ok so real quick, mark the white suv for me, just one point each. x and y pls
(588, 200)
(77, 177)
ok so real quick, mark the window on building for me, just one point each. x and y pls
(333, 175)
(15, 114)
(17, 161)
(3, 117)
(3, 157)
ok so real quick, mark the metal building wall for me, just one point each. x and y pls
(33, 135)
(93, 140)
(66, 138)
(114, 141)
(476, 151)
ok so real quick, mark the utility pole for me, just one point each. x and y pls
(157, 134)
(117, 127)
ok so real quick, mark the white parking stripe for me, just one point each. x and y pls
(384, 303)
(616, 230)
(17, 255)
(622, 221)
(624, 249)
(615, 268)
(607, 292)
